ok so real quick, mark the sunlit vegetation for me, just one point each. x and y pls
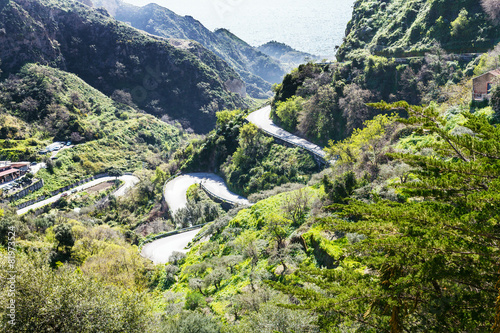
(399, 234)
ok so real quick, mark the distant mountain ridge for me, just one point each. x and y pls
(256, 68)
(288, 56)
(162, 76)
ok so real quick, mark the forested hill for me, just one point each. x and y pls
(289, 57)
(407, 28)
(257, 69)
(178, 78)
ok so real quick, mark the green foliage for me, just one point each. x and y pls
(460, 24)
(195, 322)
(273, 318)
(431, 261)
(365, 149)
(495, 102)
(341, 188)
(278, 165)
(403, 28)
(288, 112)
(293, 80)
(68, 301)
(194, 300)
(64, 236)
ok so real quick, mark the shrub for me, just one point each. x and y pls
(194, 300)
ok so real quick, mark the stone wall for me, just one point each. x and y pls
(25, 191)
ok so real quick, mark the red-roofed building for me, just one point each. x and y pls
(10, 171)
(482, 84)
(8, 175)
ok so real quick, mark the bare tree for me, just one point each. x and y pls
(295, 206)
(492, 8)
(354, 106)
(286, 256)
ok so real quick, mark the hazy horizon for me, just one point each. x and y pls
(315, 26)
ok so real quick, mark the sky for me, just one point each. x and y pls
(313, 26)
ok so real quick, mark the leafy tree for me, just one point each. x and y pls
(231, 262)
(64, 236)
(279, 228)
(114, 172)
(197, 284)
(431, 261)
(177, 258)
(288, 112)
(364, 146)
(321, 117)
(272, 318)
(49, 163)
(460, 23)
(495, 101)
(194, 300)
(216, 276)
(118, 265)
(159, 179)
(341, 188)
(285, 256)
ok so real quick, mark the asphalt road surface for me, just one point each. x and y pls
(175, 190)
(175, 195)
(130, 181)
(262, 119)
(160, 250)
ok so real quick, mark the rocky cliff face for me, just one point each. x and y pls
(258, 70)
(183, 80)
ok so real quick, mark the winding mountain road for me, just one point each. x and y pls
(262, 119)
(130, 181)
(174, 193)
(161, 249)
(175, 190)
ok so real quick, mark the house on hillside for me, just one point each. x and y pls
(482, 84)
(10, 171)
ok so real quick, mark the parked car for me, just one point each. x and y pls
(33, 163)
(68, 143)
(65, 194)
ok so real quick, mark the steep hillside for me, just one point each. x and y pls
(404, 28)
(418, 51)
(289, 57)
(258, 70)
(162, 76)
(41, 104)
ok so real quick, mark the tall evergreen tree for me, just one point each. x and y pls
(429, 264)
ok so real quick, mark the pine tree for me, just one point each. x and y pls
(432, 263)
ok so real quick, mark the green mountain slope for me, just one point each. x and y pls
(288, 56)
(41, 104)
(163, 76)
(257, 69)
(402, 28)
